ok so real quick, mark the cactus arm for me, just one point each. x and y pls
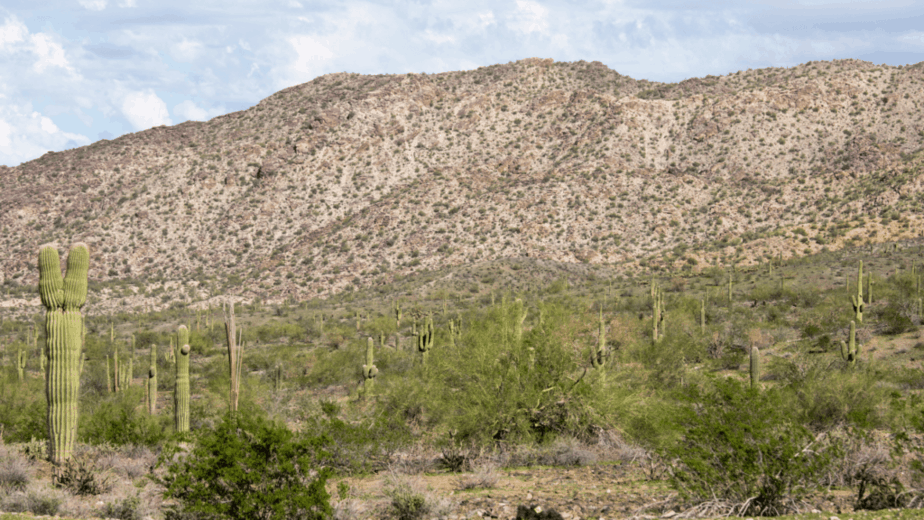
(51, 283)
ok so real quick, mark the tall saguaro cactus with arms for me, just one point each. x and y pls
(63, 298)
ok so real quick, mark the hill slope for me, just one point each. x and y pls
(351, 179)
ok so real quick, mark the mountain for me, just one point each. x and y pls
(350, 180)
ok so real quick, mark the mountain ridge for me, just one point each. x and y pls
(350, 180)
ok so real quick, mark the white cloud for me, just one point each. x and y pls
(913, 37)
(50, 53)
(145, 110)
(12, 31)
(310, 54)
(486, 18)
(529, 17)
(128, 3)
(295, 4)
(93, 5)
(244, 45)
(186, 50)
(437, 37)
(26, 134)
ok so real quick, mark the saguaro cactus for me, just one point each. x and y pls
(657, 331)
(63, 299)
(702, 315)
(425, 338)
(369, 370)
(21, 364)
(755, 367)
(858, 298)
(181, 394)
(598, 357)
(850, 351)
(397, 314)
(235, 356)
(152, 382)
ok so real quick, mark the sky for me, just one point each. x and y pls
(77, 71)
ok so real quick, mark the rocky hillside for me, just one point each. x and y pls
(350, 180)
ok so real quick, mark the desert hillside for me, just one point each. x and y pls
(349, 181)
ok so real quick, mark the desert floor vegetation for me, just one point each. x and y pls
(787, 388)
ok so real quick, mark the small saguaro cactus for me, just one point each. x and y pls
(599, 355)
(729, 289)
(181, 394)
(369, 370)
(850, 350)
(425, 338)
(152, 382)
(397, 314)
(21, 364)
(116, 372)
(63, 298)
(702, 315)
(658, 319)
(755, 367)
(857, 299)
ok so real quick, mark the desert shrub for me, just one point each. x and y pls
(119, 421)
(825, 395)
(410, 500)
(894, 318)
(15, 470)
(248, 467)
(201, 343)
(363, 445)
(81, 477)
(743, 446)
(275, 330)
(128, 508)
(35, 499)
(490, 386)
(22, 408)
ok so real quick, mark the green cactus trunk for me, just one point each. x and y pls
(21, 365)
(858, 298)
(369, 370)
(702, 316)
(755, 367)
(598, 357)
(425, 339)
(63, 299)
(181, 394)
(849, 350)
(117, 374)
(152, 382)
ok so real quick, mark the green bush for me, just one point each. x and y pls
(488, 386)
(119, 420)
(357, 446)
(248, 467)
(22, 408)
(895, 318)
(743, 446)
